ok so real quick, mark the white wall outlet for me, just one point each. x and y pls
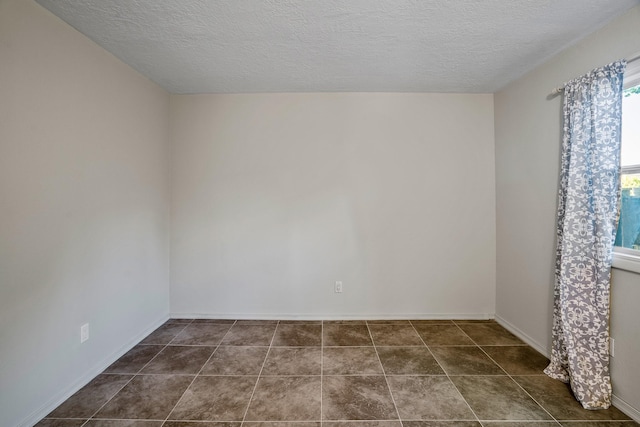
(612, 347)
(84, 333)
(338, 287)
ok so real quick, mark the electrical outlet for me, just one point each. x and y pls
(612, 347)
(84, 333)
(338, 288)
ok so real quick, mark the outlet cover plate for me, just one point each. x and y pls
(84, 333)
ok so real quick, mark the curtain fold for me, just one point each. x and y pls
(588, 209)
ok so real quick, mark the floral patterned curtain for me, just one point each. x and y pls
(586, 229)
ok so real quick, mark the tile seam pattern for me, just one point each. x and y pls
(134, 375)
(386, 380)
(447, 374)
(197, 375)
(510, 377)
(388, 333)
(255, 386)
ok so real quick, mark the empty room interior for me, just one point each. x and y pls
(337, 214)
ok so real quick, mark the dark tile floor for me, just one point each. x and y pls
(421, 373)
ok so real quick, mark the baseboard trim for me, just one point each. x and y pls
(333, 316)
(542, 349)
(626, 408)
(63, 395)
(617, 402)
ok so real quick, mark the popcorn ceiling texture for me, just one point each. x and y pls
(243, 46)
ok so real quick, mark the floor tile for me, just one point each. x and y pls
(428, 398)
(344, 322)
(461, 321)
(368, 423)
(285, 399)
(489, 334)
(215, 399)
(282, 424)
(293, 361)
(456, 423)
(392, 335)
(520, 423)
(146, 397)
(249, 335)
(201, 424)
(235, 360)
(257, 322)
(86, 401)
(60, 422)
(218, 321)
(356, 398)
(350, 361)
(300, 322)
(164, 334)
(388, 322)
(599, 424)
(346, 334)
(241, 374)
(408, 361)
(437, 335)
(201, 334)
(466, 361)
(123, 423)
(298, 335)
(179, 360)
(518, 360)
(179, 320)
(498, 398)
(428, 322)
(134, 360)
(556, 397)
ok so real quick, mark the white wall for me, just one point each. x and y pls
(84, 205)
(277, 196)
(528, 130)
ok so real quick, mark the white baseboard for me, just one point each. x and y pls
(540, 348)
(66, 393)
(626, 408)
(333, 316)
(617, 402)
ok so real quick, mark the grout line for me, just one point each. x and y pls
(264, 362)
(507, 374)
(384, 374)
(196, 375)
(448, 376)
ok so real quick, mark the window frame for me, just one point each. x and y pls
(625, 258)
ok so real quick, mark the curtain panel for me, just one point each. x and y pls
(588, 209)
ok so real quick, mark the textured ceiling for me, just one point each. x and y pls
(221, 46)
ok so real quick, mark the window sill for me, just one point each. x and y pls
(626, 261)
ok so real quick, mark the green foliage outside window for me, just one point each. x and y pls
(632, 91)
(630, 181)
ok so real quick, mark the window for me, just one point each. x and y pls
(627, 251)
(629, 226)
